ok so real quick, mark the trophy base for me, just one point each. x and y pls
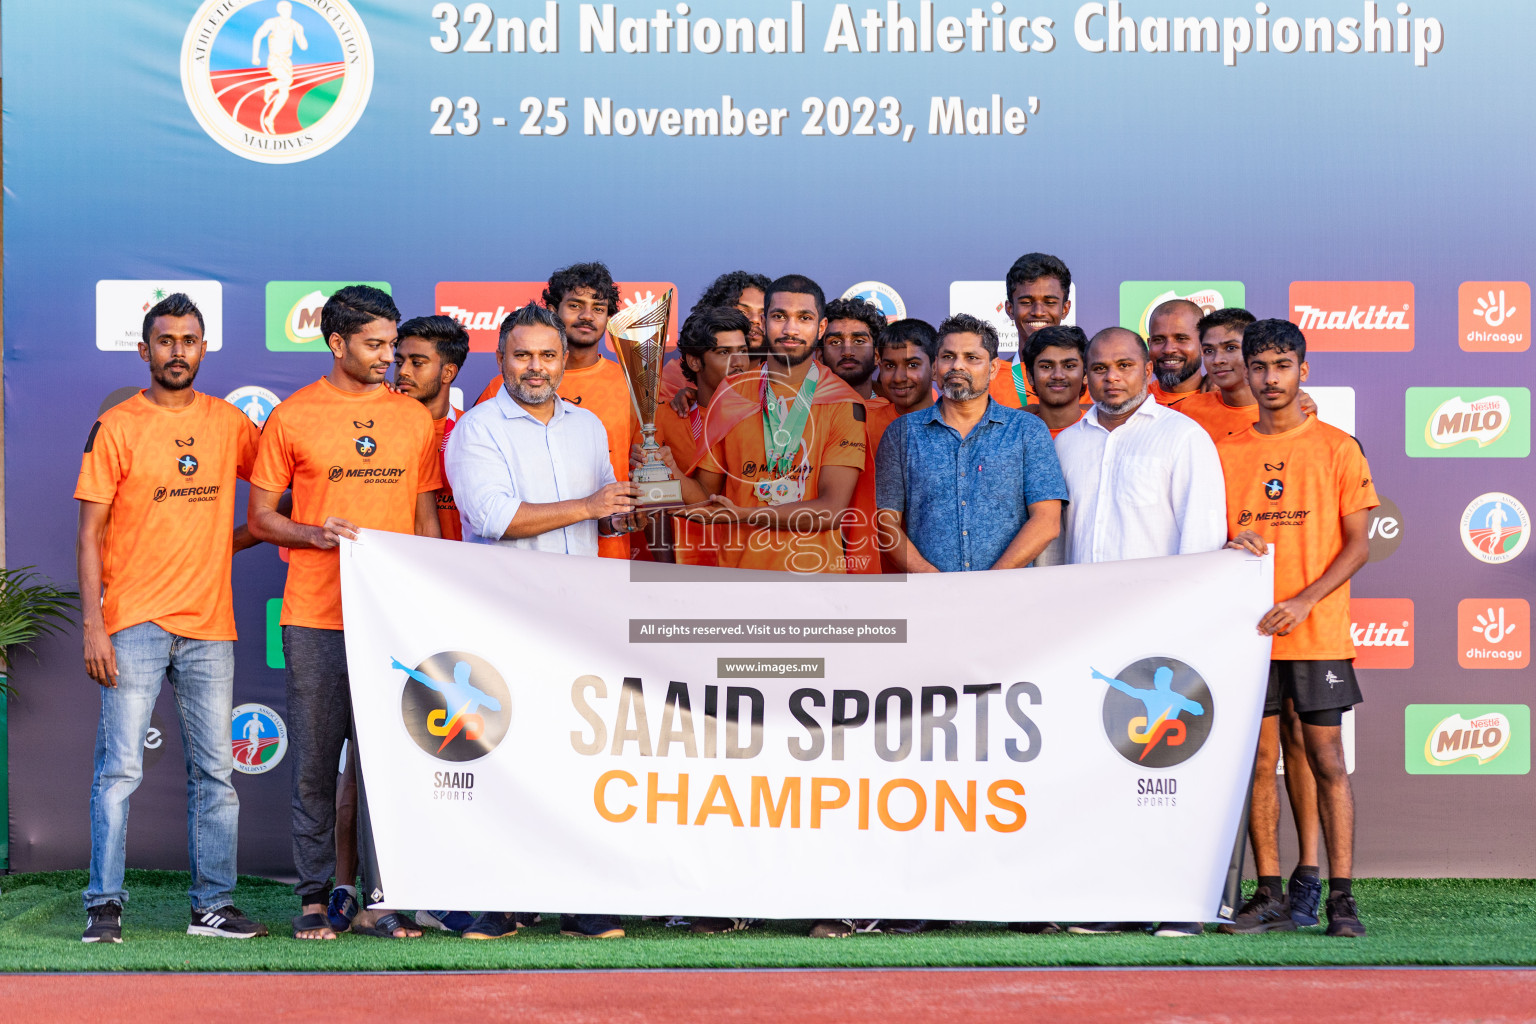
(659, 494)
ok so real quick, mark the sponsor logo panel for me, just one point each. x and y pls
(1495, 527)
(260, 738)
(1354, 316)
(882, 296)
(1493, 632)
(256, 402)
(1467, 423)
(293, 313)
(1157, 712)
(1467, 739)
(276, 82)
(1139, 298)
(988, 300)
(1494, 316)
(1382, 631)
(275, 657)
(121, 305)
(481, 306)
(1385, 531)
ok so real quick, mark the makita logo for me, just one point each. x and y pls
(1371, 318)
(1379, 634)
(388, 473)
(476, 321)
(1354, 316)
(1483, 420)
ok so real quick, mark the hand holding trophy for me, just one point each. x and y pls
(640, 337)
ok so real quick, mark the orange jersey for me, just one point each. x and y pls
(603, 389)
(359, 456)
(692, 543)
(673, 381)
(834, 436)
(1294, 490)
(1005, 384)
(169, 477)
(861, 540)
(447, 511)
(489, 392)
(1172, 399)
(1217, 417)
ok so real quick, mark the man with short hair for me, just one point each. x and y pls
(1055, 360)
(1229, 407)
(849, 345)
(429, 354)
(1145, 482)
(1303, 487)
(783, 447)
(156, 535)
(968, 484)
(357, 456)
(742, 291)
(711, 346)
(907, 349)
(531, 470)
(1038, 295)
(1173, 338)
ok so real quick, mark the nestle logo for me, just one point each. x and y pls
(1354, 316)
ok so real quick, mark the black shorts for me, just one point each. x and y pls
(1312, 686)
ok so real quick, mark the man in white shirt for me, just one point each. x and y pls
(528, 468)
(1144, 480)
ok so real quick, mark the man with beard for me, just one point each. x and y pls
(1144, 482)
(428, 357)
(1038, 289)
(157, 508)
(1008, 505)
(848, 348)
(1173, 332)
(783, 447)
(740, 290)
(584, 296)
(356, 455)
(1055, 359)
(530, 469)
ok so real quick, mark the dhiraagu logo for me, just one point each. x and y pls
(1467, 739)
(293, 313)
(1139, 298)
(1467, 423)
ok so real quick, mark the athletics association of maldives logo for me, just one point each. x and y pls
(260, 738)
(1157, 712)
(455, 705)
(241, 81)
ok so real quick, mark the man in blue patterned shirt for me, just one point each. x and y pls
(968, 483)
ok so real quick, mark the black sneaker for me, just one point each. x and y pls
(1035, 927)
(493, 924)
(716, 925)
(1344, 917)
(225, 922)
(591, 926)
(1302, 895)
(1262, 913)
(104, 923)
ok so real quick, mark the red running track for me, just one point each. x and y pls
(804, 997)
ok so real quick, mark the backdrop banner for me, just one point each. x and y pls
(548, 731)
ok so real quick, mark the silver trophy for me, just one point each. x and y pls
(640, 337)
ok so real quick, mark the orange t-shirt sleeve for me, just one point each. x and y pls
(846, 439)
(102, 467)
(1356, 491)
(248, 445)
(714, 459)
(274, 458)
(431, 467)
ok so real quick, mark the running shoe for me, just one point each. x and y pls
(225, 922)
(716, 925)
(1179, 929)
(1262, 913)
(445, 920)
(493, 924)
(1035, 927)
(1303, 894)
(1344, 917)
(104, 923)
(341, 908)
(591, 926)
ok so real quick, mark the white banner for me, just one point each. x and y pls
(547, 732)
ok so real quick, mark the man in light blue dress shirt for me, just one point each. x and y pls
(528, 468)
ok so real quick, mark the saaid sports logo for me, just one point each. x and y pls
(260, 738)
(455, 705)
(1157, 712)
(277, 81)
(186, 465)
(1495, 527)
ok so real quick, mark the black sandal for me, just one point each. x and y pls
(384, 928)
(311, 923)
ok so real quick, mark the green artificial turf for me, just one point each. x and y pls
(1411, 921)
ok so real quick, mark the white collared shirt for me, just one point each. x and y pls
(1150, 487)
(500, 456)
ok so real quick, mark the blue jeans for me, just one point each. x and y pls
(202, 674)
